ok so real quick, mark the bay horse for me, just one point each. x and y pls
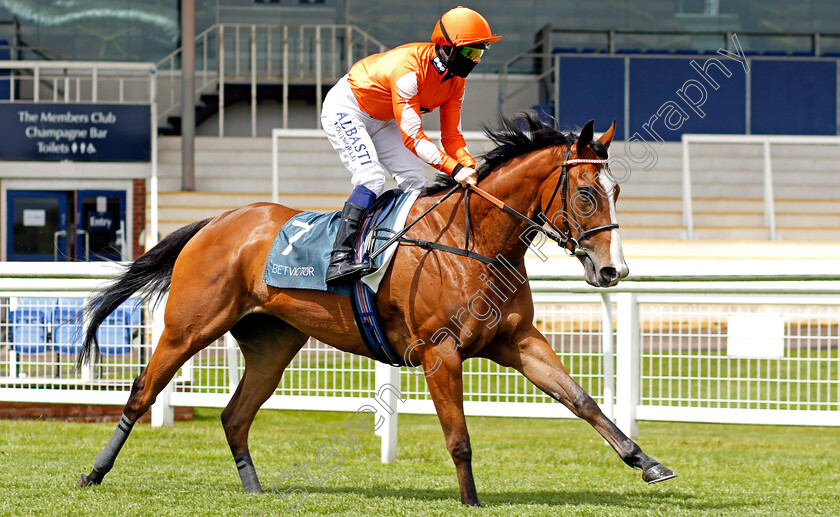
(213, 270)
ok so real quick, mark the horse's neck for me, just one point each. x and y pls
(517, 183)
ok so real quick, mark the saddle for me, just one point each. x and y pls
(300, 255)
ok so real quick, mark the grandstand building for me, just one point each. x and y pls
(91, 161)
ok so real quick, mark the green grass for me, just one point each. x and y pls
(522, 467)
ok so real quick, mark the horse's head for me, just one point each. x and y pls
(580, 203)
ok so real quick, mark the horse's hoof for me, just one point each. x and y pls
(84, 481)
(657, 473)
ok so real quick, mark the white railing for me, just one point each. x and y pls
(767, 169)
(675, 341)
(41, 332)
(81, 82)
(262, 54)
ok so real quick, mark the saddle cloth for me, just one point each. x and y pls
(301, 250)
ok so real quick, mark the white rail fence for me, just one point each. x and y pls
(768, 195)
(748, 346)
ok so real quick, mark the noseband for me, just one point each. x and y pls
(563, 237)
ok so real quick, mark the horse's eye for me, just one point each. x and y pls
(583, 202)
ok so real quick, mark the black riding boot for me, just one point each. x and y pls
(342, 259)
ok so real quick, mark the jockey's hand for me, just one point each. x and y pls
(466, 176)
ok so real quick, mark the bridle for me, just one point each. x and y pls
(563, 238)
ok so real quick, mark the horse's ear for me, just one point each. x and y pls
(585, 137)
(607, 137)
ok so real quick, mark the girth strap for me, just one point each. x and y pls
(463, 253)
(367, 321)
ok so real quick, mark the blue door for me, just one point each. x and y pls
(36, 225)
(72, 225)
(100, 224)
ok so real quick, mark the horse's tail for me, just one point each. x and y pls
(152, 271)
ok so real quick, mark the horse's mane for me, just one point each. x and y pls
(514, 137)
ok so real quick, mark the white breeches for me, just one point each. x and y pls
(367, 146)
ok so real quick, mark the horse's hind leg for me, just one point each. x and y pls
(268, 345)
(176, 345)
(534, 358)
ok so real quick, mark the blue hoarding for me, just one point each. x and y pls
(592, 88)
(794, 97)
(75, 132)
(669, 97)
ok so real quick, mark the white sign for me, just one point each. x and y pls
(101, 203)
(34, 217)
(755, 335)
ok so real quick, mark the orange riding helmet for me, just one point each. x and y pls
(461, 27)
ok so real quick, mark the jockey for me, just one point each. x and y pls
(372, 118)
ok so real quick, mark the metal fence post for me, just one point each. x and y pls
(769, 202)
(286, 77)
(13, 366)
(154, 222)
(318, 77)
(221, 80)
(162, 411)
(253, 50)
(386, 374)
(628, 353)
(687, 208)
(349, 50)
(556, 91)
(232, 360)
(608, 351)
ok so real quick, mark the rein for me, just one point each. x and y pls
(563, 238)
(465, 252)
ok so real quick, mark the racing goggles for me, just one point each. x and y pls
(473, 53)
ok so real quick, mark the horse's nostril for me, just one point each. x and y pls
(608, 274)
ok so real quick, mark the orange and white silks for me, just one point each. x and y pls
(398, 84)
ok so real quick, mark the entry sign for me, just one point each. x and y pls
(76, 132)
(100, 221)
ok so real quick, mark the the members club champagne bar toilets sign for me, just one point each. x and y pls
(75, 132)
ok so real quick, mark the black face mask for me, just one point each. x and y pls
(456, 63)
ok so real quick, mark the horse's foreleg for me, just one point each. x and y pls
(534, 358)
(265, 362)
(446, 388)
(172, 352)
